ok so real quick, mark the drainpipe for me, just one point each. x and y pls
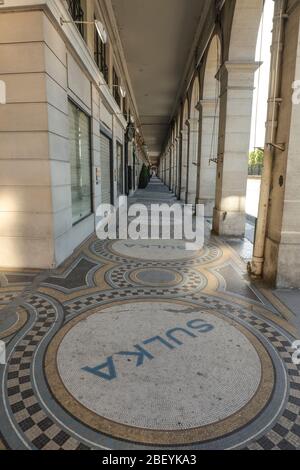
(256, 267)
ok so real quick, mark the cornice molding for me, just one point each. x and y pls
(109, 16)
(55, 9)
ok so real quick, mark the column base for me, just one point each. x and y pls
(191, 198)
(182, 194)
(282, 264)
(209, 205)
(229, 223)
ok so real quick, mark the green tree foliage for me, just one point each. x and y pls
(144, 177)
(256, 161)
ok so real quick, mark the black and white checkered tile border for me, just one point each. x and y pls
(43, 433)
(33, 421)
(102, 248)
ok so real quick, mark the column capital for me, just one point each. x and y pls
(239, 73)
(242, 66)
(193, 124)
(238, 67)
(206, 103)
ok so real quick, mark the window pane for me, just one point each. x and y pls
(80, 160)
(77, 13)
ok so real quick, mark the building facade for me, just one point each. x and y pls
(64, 128)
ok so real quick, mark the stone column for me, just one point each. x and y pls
(167, 169)
(179, 167)
(172, 166)
(237, 85)
(191, 185)
(209, 128)
(184, 158)
(176, 166)
(282, 245)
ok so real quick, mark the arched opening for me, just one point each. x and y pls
(193, 144)
(210, 108)
(236, 98)
(259, 116)
(184, 149)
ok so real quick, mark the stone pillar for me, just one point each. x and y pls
(167, 171)
(191, 185)
(184, 157)
(282, 246)
(171, 166)
(179, 167)
(209, 128)
(26, 205)
(237, 85)
(176, 166)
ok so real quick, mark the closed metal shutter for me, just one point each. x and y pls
(105, 169)
(120, 169)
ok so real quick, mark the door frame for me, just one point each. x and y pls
(108, 134)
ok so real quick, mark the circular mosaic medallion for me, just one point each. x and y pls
(138, 370)
(155, 250)
(156, 277)
(172, 252)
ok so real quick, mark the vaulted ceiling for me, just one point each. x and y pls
(157, 38)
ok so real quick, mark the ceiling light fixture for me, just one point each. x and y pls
(101, 31)
(121, 90)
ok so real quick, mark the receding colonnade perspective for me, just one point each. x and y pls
(135, 343)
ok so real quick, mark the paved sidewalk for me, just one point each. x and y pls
(135, 344)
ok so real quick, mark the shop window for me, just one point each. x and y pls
(80, 160)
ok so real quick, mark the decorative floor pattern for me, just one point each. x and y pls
(118, 349)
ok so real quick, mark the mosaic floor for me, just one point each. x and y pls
(139, 344)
